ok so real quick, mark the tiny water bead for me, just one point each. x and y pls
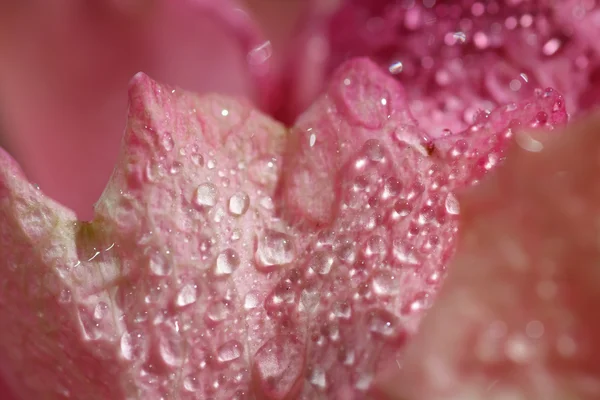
(206, 195)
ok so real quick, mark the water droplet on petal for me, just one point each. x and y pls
(133, 345)
(383, 323)
(452, 206)
(278, 367)
(159, 265)
(227, 262)
(206, 195)
(170, 346)
(229, 351)
(167, 141)
(274, 249)
(239, 203)
(317, 378)
(197, 159)
(396, 67)
(385, 283)
(187, 295)
(321, 262)
(251, 300)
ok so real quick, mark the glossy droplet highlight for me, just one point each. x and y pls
(274, 248)
(239, 203)
(206, 195)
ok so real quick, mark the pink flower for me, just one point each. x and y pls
(231, 257)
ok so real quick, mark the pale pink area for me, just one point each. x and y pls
(517, 315)
(208, 271)
(65, 67)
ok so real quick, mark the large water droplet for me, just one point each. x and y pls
(133, 345)
(159, 265)
(239, 203)
(376, 246)
(345, 249)
(274, 249)
(167, 141)
(374, 150)
(278, 367)
(385, 283)
(251, 300)
(170, 346)
(229, 351)
(452, 206)
(321, 262)
(405, 253)
(187, 295)
(206, 195)
(317, 378)
(227, 262)
(383, 323)
(218, 311)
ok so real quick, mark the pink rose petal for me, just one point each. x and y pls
(222, 261)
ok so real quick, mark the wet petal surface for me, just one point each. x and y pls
(230, 258)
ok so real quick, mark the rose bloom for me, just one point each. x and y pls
(318, 199)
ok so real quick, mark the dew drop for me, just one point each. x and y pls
(167, 141)
(175, 168)
(239, 203)
(100, 311)
(374, 150)
(251, 300)
(382, 323)
(133, 345)
(452, 206)
(187, 295)
(229, 351)
(551, 46)
(218, 311)
(197, 159)
(404, 252)
(317, 378)
(278, 367)
(321, 262)
(419, 301)
(206, 195)
(376, 246)
(345, 249)
(385, 284)
(227, 262)
(171, 347)
(159, 265)
(396, 67)
(274, 249)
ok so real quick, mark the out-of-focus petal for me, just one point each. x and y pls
(517, 316)
(455, 58)
(66, 64)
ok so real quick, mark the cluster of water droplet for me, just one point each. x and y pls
(455, 58)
